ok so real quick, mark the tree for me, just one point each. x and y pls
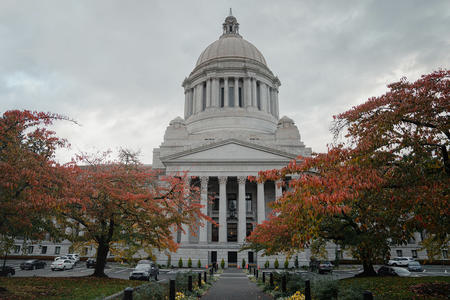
(390, 180)
(122, 206)
(407, 133)
(31, 180)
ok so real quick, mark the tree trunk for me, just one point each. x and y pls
(102, 253)
(368, 269)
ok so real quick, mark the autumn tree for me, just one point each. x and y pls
(30, 178)
(390, 180)
(122, 206)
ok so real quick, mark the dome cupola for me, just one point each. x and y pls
(231, 87)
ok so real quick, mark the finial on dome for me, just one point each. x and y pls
(230, 26)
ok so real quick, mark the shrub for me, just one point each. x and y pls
(243, 263)
(325, 289)
(286, 263)
(295, 283)
(199, 264)
(296, 262)
(276, 264)
(152, 290)
(267, 264)
(180, 263)
(169, 261)
(189, 263)
(222, 263)
(351, 294)
(431, 289)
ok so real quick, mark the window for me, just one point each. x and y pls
(339, 254)
(399, 253)
(240, 98)
(222, 97)
(85, 251)
(258, 95)
(215, 205)
(214, 233)
(44, 250)
(248, 202)
(231, 96)
(414, 253)
(444, 254)
(30, 249)
(249, 229)
(16, 248)
(57, 250)
(232, 205)
(232, 232)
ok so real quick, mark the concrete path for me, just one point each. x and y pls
(234, 285)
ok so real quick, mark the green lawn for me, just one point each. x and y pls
(391, 287)
(61, 288)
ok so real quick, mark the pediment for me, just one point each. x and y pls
(230, 151)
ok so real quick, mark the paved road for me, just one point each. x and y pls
(113, 270)
(234, 285)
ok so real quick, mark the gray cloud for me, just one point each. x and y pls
(117, 67)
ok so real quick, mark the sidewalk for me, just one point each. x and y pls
(234, 285)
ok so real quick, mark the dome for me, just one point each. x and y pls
(231, 46)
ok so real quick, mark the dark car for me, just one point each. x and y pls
(91, 262)
(32, 264)
(325, 267)
(415, 266)
(393, 271)
(144, 272)
(7, 271)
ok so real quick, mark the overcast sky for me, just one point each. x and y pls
(116, 67)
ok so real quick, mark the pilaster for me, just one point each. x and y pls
(242, 214)
(223, 209)
(203, 237)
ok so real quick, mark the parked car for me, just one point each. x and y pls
(400, 261)
(91, 262)
(7, 271)
(415, 266)
(145, 262)
(324, 267)
(74, 257)
(32, 264)
(393, 271)
(144, 271)
(62, 264)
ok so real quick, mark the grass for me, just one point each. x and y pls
(61, 288)
(391, 287)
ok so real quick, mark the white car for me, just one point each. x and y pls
(74, 257)
(400, 261)
(62, 264)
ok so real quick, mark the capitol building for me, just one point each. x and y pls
(231, 129)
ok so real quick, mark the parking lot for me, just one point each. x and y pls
(122, 271)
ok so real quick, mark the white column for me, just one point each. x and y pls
(185, 235)
(236, 92)
(225, 92)
(278, 190)
(254, 102)
(199, 97)
(223, 209)
(208, 92)
(194, 100)
(269, 103)
(277, 104)
(261, 205)
(242, 214)
(263, 96)
(203, 237)
(215, 93)
(247, 92)
(186, 103)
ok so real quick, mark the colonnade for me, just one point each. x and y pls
(223, 209)
(231, 92)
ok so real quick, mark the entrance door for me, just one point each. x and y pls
(213, 257)
(232, 259)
